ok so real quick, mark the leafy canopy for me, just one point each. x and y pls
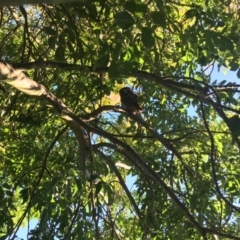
(182, 153)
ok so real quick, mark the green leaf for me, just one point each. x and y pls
(54, 181)
(70, 47)
(117, 51)
(102, 61)
(223, 82)
(110, 193)
(24, 194)
(160, 4)
(49, 31)
(159, 18)
(113, 70)
(6, 130)
(52, 42)
(59, 54)
(203, 60)
(238, 73)
(234, 101)
(149, 47)
(7, 186)
(234, 124)
(9, 193)
(233, 66)
(70, 35)
(79, 184)
(62, 38)
(44, 219)
(4, 237)
(148, 37)
(2, 193)
(137, 8)
(99, 186)
(191, 13)
(120, 119)
(92, 11)
(124, 20)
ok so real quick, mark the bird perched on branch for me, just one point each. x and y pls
(129, 100)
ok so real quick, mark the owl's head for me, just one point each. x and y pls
(124, 90)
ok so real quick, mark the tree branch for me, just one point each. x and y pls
(18, 79)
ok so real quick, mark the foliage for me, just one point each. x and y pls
(183, 150)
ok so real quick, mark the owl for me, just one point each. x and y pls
(129, 100)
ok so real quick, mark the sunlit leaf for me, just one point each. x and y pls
(65, 142)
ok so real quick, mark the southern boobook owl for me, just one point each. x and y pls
(129, 100)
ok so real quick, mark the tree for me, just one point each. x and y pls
(21, 2)
(67, 148)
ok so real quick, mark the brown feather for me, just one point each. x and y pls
(129, 100)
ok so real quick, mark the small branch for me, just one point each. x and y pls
(121, 181)
(99, 111)
(213, 163)
(18, 79)
(94, 212)
(75, 214)
(44, 163)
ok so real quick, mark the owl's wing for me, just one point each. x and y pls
(135, 102)
(135, 96)
(129, 100)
